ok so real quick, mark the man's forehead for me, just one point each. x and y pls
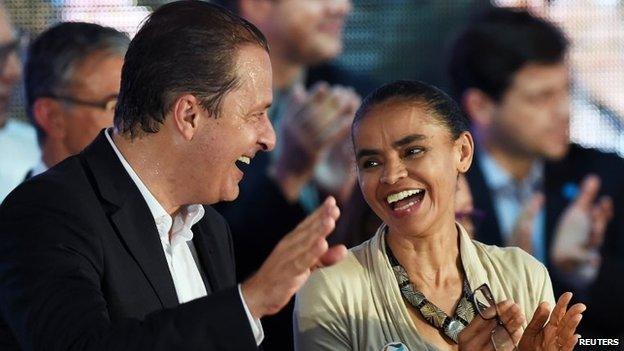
(536, 75)
(253, 70)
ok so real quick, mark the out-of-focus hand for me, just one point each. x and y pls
(522, 234)
(559, 333)
(478, 334)
(313, 122)
(292, 260)
(580, 232)
(335, 173)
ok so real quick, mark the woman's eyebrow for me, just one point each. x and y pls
(366, 152)
(408, 139)
(401, 142)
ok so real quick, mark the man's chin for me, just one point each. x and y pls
(557, 153)
(324, 50)
(231, 195)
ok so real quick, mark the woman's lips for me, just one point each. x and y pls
(406, 206)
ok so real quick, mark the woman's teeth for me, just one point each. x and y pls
(245, 159)
(392, 198)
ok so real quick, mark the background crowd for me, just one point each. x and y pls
(540, 88)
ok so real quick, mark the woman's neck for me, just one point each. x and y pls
(431, 259)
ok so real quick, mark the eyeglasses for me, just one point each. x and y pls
(12, 47)
(500, 336)
(108, 104)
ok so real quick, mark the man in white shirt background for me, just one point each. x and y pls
(18, 143)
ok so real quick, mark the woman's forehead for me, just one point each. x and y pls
(396, 120)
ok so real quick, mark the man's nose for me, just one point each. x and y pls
(267, 135)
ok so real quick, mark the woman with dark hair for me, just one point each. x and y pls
(421, 283)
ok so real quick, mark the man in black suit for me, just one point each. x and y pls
(536, 189)
(112, 250)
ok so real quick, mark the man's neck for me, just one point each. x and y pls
(3, 120)
(285, 72)
(518, 166)
(147, 161)
(53, 153)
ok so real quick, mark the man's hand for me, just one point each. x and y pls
(559, 333)
(312, 123)
(292, 261)
(580, 231)
(478, 334)
(522, 235)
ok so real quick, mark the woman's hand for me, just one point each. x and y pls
(558, 334)
(478, 334)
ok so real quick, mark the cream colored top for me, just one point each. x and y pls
(357, 304)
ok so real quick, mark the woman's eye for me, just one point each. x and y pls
(369, 164)
(415, 151)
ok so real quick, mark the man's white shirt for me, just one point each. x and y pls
(178, 247)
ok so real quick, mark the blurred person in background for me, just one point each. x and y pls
(72, 77)
(18, 141)
(313, 107)
(538, 191)
(465, 213)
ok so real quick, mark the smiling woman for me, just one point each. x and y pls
(413, 282)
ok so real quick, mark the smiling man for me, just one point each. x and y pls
(117, 247)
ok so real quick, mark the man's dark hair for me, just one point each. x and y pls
(232, 5)
(496, 45)
(183, 47)
(56, 53)
(441, 107)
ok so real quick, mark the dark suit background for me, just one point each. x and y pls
(82, 267)
(605, 306)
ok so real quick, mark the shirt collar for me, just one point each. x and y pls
(497, 178)
(189, 215)
(39, 168)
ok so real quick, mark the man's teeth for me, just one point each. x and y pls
(245, 159)
(402, 195)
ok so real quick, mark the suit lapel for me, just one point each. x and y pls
(130, 217)
(488, 231)
(219, 270)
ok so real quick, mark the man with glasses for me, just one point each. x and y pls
(18, 144)
(72, 80)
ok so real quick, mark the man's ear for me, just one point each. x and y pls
(255, 11)
(186, 113)
(465, 148)
(479, 107)
(48, 114)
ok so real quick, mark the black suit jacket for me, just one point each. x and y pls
(82, 267)
(604, 305)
